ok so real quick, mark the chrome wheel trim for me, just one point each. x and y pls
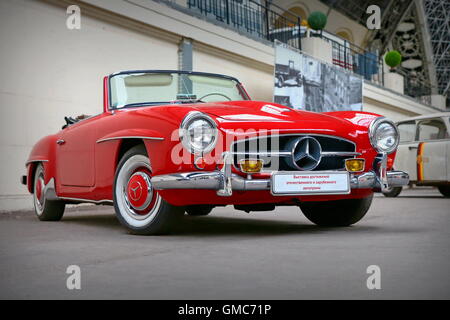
(39, 203)
(148, 189)
(125, 209)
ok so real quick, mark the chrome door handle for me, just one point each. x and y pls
(60, 142)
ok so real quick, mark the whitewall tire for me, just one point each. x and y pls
(46, 210)
(138, 206)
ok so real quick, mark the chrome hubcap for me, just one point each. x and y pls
(138, 195)
(139, 191)
(39, 194)
(137, 201)
(40, 190)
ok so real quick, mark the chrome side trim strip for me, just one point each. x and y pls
(31, 161)
(87, 201)
(130, 137)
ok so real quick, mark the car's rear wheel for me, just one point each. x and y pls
(392, 192)
(138, 206)
(198, 210)
(45, 209)
(338, 213)
(445, 191)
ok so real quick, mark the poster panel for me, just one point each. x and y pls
(303, 82)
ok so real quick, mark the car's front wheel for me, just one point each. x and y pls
(45, 209)
(338, 213)
(198, 210)
(392, 192)
(138, 206)
(445, 191)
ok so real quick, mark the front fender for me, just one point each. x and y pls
(363, 120)
(145, 134)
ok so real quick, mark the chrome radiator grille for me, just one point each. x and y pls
(295, 152)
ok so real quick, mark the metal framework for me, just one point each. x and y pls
(412, 41)
(392, 13)
(437, 14)
(420, 30)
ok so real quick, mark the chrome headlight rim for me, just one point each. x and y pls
(189, 119)
(374, 125)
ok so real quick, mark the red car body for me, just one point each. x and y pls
(82, 159)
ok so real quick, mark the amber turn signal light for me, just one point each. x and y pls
(354, 165)
(251, 165)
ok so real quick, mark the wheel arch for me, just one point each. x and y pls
(129, 138)
(126, 144)
(31, 170)
(43, 153)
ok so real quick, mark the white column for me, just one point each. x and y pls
(318, 48)
(394, 81)
(438, 101)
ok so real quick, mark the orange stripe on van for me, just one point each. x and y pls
(420, 162)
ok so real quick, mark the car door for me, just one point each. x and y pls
(75, 153)
(406, 157)
(432, 157)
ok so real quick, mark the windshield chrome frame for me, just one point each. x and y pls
(241, 89)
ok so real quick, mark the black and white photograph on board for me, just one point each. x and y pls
(302, 82)
(313, 88)
(288, 78)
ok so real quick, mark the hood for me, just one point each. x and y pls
(259, 115)
(248, 115)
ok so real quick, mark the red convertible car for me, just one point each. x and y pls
(175, 142)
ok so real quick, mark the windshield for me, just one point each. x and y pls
(155, 88)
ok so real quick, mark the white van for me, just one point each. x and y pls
(424, 152)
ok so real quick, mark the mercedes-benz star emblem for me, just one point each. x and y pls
(136, 191)
(306, 153)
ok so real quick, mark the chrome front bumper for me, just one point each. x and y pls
(224, 181)
(216, 180)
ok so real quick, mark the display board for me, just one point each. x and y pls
(302, 82)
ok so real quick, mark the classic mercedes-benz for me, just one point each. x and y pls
(175, 142)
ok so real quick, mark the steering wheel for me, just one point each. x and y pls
(215, 94)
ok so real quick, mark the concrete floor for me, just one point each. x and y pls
(233, 255)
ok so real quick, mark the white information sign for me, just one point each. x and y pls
(310, 183)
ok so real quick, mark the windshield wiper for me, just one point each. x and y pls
(188, 101)
(142, 104)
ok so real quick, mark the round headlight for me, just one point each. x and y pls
(198, 133)
(384, 135)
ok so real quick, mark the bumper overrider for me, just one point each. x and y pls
(224, 181)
